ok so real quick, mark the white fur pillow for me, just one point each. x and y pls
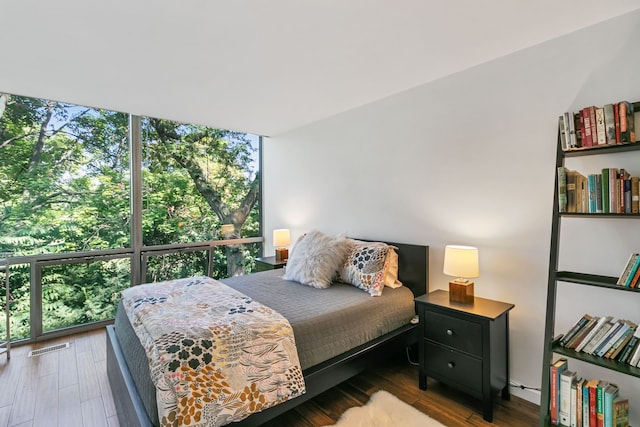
(315, 259)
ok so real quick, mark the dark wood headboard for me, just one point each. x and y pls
(413, 267)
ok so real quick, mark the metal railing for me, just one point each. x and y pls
(37, 262)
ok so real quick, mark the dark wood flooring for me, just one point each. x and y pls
(70, 388)
(397, 376)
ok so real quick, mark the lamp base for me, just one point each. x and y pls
(282, 254)
(461, 292)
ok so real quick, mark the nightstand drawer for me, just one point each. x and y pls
(446, 364)
(454, 332)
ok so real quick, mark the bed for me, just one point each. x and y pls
(322, 368)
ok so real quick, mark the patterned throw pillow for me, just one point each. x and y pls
(315, 259)
(364, 268)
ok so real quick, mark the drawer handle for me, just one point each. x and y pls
(449, 332)
(451, 365)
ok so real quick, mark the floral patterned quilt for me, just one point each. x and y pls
(215, 355)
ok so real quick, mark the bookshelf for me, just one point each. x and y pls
(557, 277)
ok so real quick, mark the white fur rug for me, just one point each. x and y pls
(385, 410)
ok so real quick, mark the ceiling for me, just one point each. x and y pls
(261, 66)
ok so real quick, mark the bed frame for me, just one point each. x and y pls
(413, 272)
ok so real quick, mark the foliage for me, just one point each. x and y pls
(64, 188)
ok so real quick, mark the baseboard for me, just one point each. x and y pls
(529, 395)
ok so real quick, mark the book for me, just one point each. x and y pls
(623, 175)
(577, 405)
(576, 190)
(627, 194)
(616, 114)
(621, 343)
(610, 124)
(635, 357)
(591, 188)
(587, 140)
(627, 269)
(610, 393)
(580, 131)
(612, 338)
(635, 195)
(627, 130)
(627, 352)
(599, 193)
(563, 136)
(562, 189)
(600, 335)
(567, 378)
(572, 190)
(605, 190)
(573, 399)
(592, 385)
(601, 321)
(600, 127)
(594, 130)
(582, 333)
(620, 412)
(583, 193)
(635, 279)
(575, 328)
(632, 272)
(602, 384)
(614, 190)
(555, 372)
(585, 403)
(570, 130)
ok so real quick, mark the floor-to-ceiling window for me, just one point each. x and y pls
(81, 227)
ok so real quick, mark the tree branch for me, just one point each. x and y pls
(37, 155)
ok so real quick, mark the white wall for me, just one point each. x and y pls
(469, 159)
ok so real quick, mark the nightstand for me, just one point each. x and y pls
(465, 346)
(268, 263)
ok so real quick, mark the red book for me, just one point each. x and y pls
(585, 127)
(593, 385)
(554, 393)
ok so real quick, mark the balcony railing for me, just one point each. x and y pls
(47, 272)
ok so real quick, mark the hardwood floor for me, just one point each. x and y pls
(69, 387)
(397, 376)
(62, 388)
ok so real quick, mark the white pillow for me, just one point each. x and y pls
(391, 270)
(315, 259)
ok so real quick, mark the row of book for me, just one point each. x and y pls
(604, 337)
(582, 402)
(593, 126)
(611, 191)
(630, 276)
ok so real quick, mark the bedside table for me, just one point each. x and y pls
(268, 263)
(465, 346)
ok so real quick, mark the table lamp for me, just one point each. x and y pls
(281, 238)
(462, 263)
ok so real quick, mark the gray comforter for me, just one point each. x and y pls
(326, 322)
